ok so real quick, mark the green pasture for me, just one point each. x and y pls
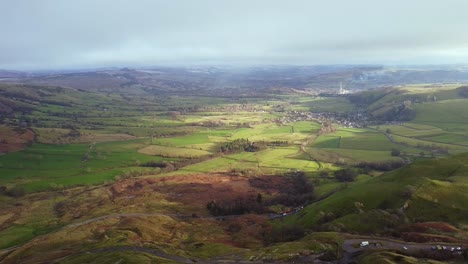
(292, 133)
(306, 127)
(37, 220)
(269, 160)
(449, 138)
(451, 115)
(411, 130)
(413, 142)
(330, 104)
(354, 138)
(327, 141)
(228, 118)
(427, 136)
(326, 187)
(262, 132)
(16, 234)
(428, 178)
(173, 152)
(351, 145)
(202, 138)
(42, 166)
(367, 141)
(357, 155)
(415, 92)
(441, 91)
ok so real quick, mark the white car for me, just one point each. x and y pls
(364, 244)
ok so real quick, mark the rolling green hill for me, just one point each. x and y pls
(402, 103)
(425, 191)
(117, 171)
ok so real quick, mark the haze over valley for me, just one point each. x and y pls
(246, 132)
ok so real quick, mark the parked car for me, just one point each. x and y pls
(364, 244)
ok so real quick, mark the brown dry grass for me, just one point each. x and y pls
(159, 232)
(432, 232)
(12, 139)
(145, 198)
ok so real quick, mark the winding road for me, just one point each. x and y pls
(351, 247)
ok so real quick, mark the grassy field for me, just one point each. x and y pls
(267, 161)
(198, 138)
(43, 167)
(444, 113)
(46, 166)
(334, 104)
(439, 121)
(173, 152)
(327, 141)
(90, 151)
(351, 145)
(60, 136)
(437, 196)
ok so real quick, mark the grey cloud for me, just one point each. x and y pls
(95, 33)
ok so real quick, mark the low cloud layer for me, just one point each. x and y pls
(53, 34)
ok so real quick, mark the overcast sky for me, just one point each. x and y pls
(54, 34)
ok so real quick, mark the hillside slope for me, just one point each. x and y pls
(425, 191)
(402, 103)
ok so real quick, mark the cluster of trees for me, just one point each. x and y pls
(16, 191)
(381, 166)
(402, 112)
(240, 145)
(10, 107)
(237, 206)
(74, 133)
(297, 190)
(395, 152)
(277, 143)
(326, 129)
(345, 175)
(154, 164)
(368, 97)
(463, 91)
(285, 233)
(172, 166)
